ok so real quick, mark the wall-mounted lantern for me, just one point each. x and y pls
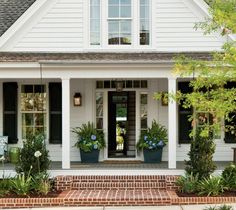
(77, 99)
(119, 86)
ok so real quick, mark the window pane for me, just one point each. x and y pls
(136, 84)
(95, 38)
(125, 27)
(95, 12)
(144, 12)
(39, 119)
(27, 119)
(99, 110)
(113, 12)
(95, 2)
(143, 123)
(99, 123)
(144, 39)
(125, 11)
(143, 98)
(127, 2)
(113, 26)
(27, 101)
(95, 26)
(125, 39)
(113, 2)
(113, 39)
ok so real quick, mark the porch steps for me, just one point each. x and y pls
(117, 190)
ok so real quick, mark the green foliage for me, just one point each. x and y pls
(229, 177)
(28, 160)
(22, 184)
(224, 207)
(42, 184)
(223, 16)
(187, 183)
(154, 138)
(212, 186)
(5, 187)
(201, 152)
(89, 138)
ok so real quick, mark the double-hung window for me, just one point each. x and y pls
(33, 110)
(119, 22)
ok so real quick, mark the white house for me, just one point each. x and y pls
(61, 48)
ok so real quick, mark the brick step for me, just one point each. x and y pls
(117, 197)
(128, 182)
(116, 185)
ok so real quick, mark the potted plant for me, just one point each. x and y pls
(90, 141)
(152, 142)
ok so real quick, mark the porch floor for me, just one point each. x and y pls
(126, 165)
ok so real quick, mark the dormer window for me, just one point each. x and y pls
(120, 23)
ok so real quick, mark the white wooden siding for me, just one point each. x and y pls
(174, 31)
(60, 29)
(62, 26)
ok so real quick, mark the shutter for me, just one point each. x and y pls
(230, 137)
(10, 111)
(55, 113)
(185, 126)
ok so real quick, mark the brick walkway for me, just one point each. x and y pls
(113, 191)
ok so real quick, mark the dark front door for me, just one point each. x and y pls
(121, 124)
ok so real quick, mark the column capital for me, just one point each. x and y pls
(65, 78)
(172, 78)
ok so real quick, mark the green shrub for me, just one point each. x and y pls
(201, 156)
(229, 177)
(42, 184)
(5, 187)
(187, 183)
(29, 161)
(211, 186)
(224, 207)
(22, 184)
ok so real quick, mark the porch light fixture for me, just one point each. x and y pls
(77, 99)
(119, 86)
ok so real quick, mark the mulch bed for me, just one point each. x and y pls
(225, 194)
(53, 194)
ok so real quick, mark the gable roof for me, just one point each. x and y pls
(10, 11)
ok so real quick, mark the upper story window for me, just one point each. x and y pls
(95, 22)
(119, 22)
(144, 31)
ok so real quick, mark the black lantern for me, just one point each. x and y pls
(77, 99)
(119, 86)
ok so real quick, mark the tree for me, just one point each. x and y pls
(214, 83)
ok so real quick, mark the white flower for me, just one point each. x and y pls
(2, 158)
(37, 154)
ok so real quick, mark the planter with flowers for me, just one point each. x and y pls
(90, 142)
(152, 142)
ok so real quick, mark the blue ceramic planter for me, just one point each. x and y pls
(152, 156)
(89, 157)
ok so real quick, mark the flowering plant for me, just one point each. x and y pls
(89, 138)
(153, 138)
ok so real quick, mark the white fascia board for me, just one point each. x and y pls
(21, 21)
(204, 7)
(19, 65)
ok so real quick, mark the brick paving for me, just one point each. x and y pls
(114, 191)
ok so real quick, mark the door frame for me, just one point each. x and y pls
(138, 155)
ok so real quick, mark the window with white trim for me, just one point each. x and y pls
(120, 23)
(33, 110)
(95, 22)
(144, 16)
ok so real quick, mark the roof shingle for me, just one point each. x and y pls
(10, 11)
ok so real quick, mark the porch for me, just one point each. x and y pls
(113, 168)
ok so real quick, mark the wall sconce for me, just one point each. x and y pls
(119, 86)
(77, 99)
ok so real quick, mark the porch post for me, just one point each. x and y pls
(172, 124)
(65, 123)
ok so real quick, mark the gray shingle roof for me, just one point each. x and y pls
(98, 57)
(10, 11)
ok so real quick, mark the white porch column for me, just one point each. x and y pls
(65, 123)
(172, 125)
